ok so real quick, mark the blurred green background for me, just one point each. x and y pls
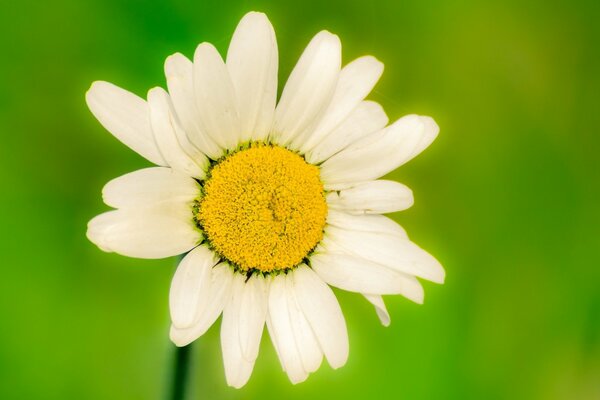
(507, 198)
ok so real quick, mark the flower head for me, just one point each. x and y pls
(271, 201)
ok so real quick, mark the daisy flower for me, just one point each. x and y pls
(272, 202)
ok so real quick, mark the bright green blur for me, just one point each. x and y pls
(507, 198)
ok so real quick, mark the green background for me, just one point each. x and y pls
(507, 198)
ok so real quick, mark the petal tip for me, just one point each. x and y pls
(93, 90)
(175, 64)
(440, 276)
(204, 47)
(258, 15)
(420, 299)
(155, 92)
(95, 234)
(431, 128)
(328, 37)
(442, 279)
(177, 338)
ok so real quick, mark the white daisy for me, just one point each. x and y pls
(271, 201)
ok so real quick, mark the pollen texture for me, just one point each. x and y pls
(263, 208)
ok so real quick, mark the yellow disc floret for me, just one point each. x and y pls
(263, 208)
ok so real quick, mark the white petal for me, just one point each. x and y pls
(252, 63)
(160, 231)
(209, 308)
(374, 197)
(149, 186)
(310, 352)
(282, 332)
(309, 88)
(125, 115)
(180, 81)
(179, 66)
(99, 226)
(380, 308)
(366, 223)
(215, 97)
(388, 250)
(190, 284)
(381, 152)
(355, 82)
(323, 313)
(253, 312)
(355, 274)
(368, 117)
(165, 128)
(237, 368)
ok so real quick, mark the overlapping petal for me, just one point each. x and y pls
(237, 367)
(380, 308)
(368, 117)
(389, 250)
(366, 223)
(215, 97)
(375, 197)
(281, 331)
(190, 286)
(380, 152)
(355, 274)
(179, 71)
(210, 306)
(150, 186)
(125, 115)
(172, 142)
(253, 313)
(323, 313)
(158, 231)
(356, 80)
(252, 64)
(309, 89)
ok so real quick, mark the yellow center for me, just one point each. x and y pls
(263, 208)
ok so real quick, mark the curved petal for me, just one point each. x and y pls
(356, 80)
(125, 115)
(237, 368)
(252, 64)
(180, 81)
(210, 307)
(368, 117)
(310, 352)
(323, 313)
(359, 275)
(374, 197)
(215, 97)
(282, 332)
(190, 286)
(388, 250)
(365, 223)
(149, 186)
(253, 313)
(379, 153)
(380, 308)
(99, 226)
(159, 231)
(166, 131)
(309, 89)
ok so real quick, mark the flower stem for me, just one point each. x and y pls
(181, 371)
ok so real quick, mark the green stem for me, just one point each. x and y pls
(181, 365)
(181, 371)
